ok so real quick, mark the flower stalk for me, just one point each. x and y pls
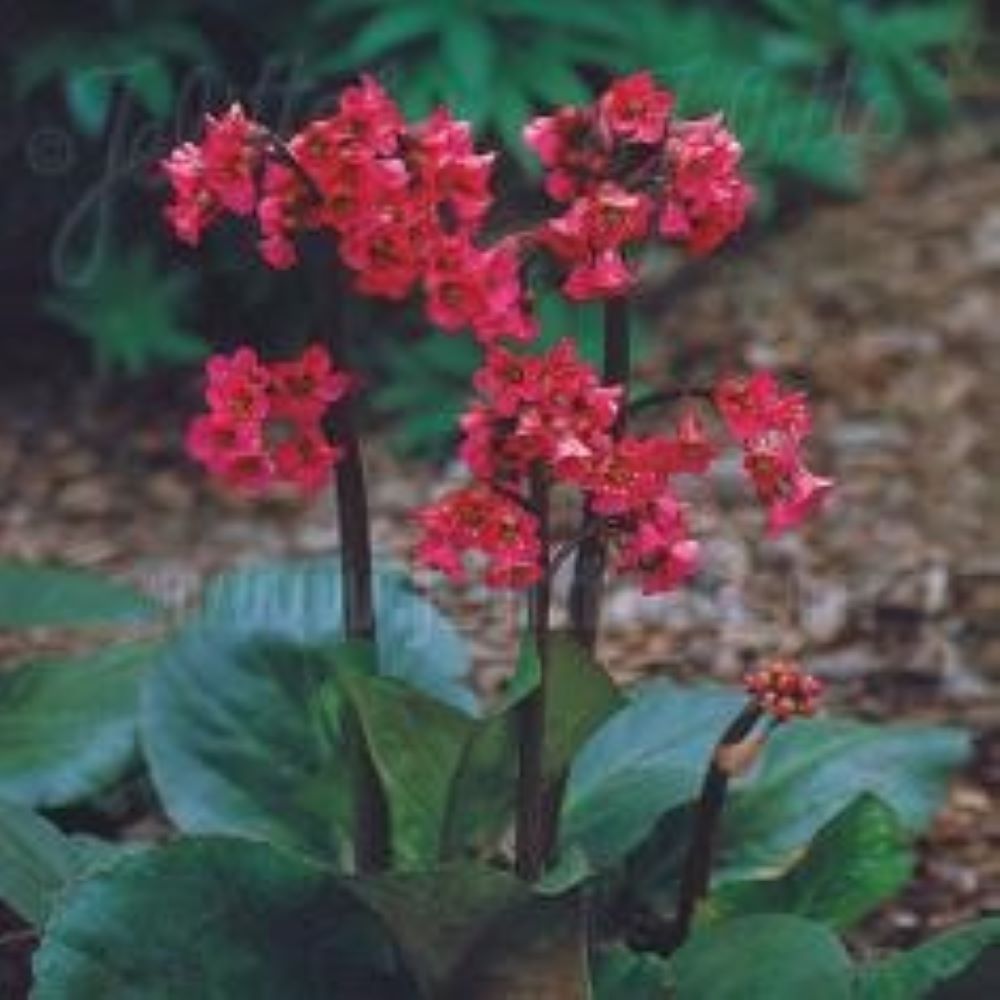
(535, 817)
(708, 812)
(371, 833)
(588, 571)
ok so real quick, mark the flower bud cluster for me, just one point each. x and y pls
(782, 690)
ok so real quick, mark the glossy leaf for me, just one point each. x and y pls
(416, 743)
(241, 717)
(57, 596)
(580, 697)
(36, 862)
(856, 861)
(221, 917)
(68, 728)
(300, 601)
(243, 737)
(813, 768)
(768, 957)
(644, 761)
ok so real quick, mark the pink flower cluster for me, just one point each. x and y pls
(622, 161)
(551, 412)
(782, 690)
(406, 202)
(771, 426)
(264, 425)
(215, 177)
(480, 522)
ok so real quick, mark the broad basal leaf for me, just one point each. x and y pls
(214, 917)
(579, 698)
(812, 769)
(301, 601)
(68, 728)
(241, 717)
(856, 861)
(36, 862)
(58, 596)
(768, 957)
(416, 743)
(647, 759)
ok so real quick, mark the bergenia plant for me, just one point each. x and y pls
(351, 823)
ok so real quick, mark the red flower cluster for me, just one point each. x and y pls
(782, 690)
(480, 522)
(407, 203)
(620, 160)
(706, 200)
(215, 177)
(264, 425)
(771, 425)
(551, 411)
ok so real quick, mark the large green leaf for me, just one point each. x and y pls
(416, 743)
(68, 727)
(36, 862)
(300, 601)
(812, 769)
(243, 736)
(941, 962)
(644, 761)
(58, 596)
(579, 698)
(241, 717)
(856, 861)
(217, 917)
(768, 957)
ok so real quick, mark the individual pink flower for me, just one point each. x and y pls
(302, 390)
(590, 236)
(705, 199)
(629, 475)
(231, 151)
(771, 426)
(193, 206)
(571, 148)
(214, 438)
(305, 458)
(657, 546)
(756, 404)
(803, 495)
(691, 450)
(633, 108)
